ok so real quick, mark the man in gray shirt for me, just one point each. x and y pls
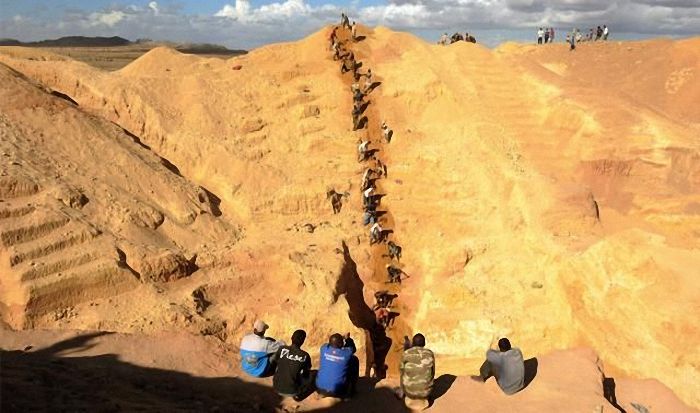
(506, 365)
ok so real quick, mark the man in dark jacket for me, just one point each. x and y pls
(339, 368)
(293, 377)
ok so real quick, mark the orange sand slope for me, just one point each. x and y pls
(545, 195)
(142, 371)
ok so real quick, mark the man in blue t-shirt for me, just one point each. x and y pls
(339, 368)
(258, 351)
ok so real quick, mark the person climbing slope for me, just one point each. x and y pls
(362, 149)
(376, 234)
(394, 274)
(386, 132)
(394, 251)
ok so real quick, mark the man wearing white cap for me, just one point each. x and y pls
(258, 351)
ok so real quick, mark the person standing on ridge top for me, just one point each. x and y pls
(344, 21)
(353, 31)
(572, 42)
(546, 35)
(605, 32)
(540, 35)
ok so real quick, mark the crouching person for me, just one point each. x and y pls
(417, 373)
(339, 368)
(258, 352)
(293, 377)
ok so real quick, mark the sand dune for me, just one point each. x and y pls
(547, 195)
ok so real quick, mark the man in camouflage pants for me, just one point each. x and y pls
(417, 373)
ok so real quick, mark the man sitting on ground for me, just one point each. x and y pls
(258, 352)
(506, 365)
(417, 373)
(293, 377)
(339, 368)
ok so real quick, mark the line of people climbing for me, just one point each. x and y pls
(362, 85)
(369, 154)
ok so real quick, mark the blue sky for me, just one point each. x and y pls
(251, 23)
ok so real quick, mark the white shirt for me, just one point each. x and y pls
(368, 192)
(605, 30)
(363, 146)
(540, 33)
(375, 228)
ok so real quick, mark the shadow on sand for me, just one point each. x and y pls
(530, 371)
(441, 386)
(50, 380)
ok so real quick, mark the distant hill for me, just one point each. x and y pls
(116, 41)
(206, 48)
(71, 41)
(10, 42)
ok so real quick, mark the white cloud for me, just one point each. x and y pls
(154, 6)
(238, 12)
(268, 13)
(108, 19)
